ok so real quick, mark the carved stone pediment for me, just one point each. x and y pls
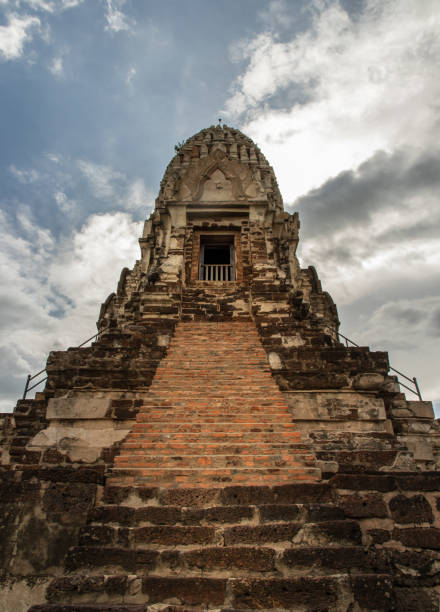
(217, 178)
(217, 188)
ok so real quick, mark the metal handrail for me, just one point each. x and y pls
(30, 377)
(412, 380)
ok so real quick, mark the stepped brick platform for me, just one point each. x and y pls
(347, 545)
(214, 415)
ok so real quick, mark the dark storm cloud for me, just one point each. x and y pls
(384, 181)
(425, 229)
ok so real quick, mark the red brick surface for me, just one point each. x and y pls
(214, 416)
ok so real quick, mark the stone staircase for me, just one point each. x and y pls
(213, 415)
(222, 548)
(214, 502)
(305, 547)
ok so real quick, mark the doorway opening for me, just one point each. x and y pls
(217, 258)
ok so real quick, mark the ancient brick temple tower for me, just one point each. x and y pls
(217, 447)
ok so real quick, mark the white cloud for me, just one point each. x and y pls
(56, 66)
(102, 179)
(330, 97)
(89, 266)
(137, 196)
(109, 184)
(117, 21)
(14, 35)
(66, 205)
(51, 289)
(24, 176)
(376, 226)
(276, 15)
(130, 76)
(54, 157)
(410, 329)
(51, 6)
(21, 27)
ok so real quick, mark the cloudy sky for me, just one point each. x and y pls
(343, 97)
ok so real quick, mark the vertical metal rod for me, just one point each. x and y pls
(417, 388)
(26, 387)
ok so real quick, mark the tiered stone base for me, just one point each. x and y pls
(214, 416)
(344, 546)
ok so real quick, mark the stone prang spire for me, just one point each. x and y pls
(217, 447)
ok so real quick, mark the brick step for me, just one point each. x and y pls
(142, 460)
(215, 400)
(244, 359)
(153, 403)
(231, 437)
(212, 349)
(179, 413)
(368, 591)
(129, 540)
(233, 561)
(213, 394)
(208, 477)
(225, 449)
(216, 395)
(131, 516)
(217, 426)
(108, 583)
(198, 594)
(209, 368)
(213, 381)
(215, 417)
(316, 494)
(240, 336)
(210, 381)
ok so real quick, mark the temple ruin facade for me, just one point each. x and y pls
(218, 447)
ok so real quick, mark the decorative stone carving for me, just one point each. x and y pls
(213, 148)
(217, 188)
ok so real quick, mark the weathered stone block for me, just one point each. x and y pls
(190, 591)
(159, 515)
(312, 593)
(364, 482)
(364, 506)
(279, 512)
(415, 509)
(368, 381)
(69, 503)
(242, 558)
(373, 592)
(335, 558)
(275, 532)
(217, 514)
(423, 481)
(418, 537)
(78, 407)
(175, 535)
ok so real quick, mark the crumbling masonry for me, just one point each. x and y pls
(217, 447)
